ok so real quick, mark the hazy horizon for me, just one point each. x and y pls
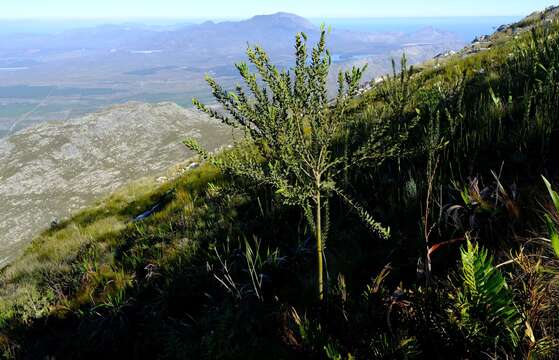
(197, 19)
(221, 9)
(467, 27)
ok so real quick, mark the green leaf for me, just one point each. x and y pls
(553, 234)
(494, 97)
(555, 243)
(465, 194)
(484, 301)
(552, 193)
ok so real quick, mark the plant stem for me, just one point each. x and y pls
(319, 247)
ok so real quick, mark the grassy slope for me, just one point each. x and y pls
(183, 283)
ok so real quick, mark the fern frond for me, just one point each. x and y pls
(485, 302)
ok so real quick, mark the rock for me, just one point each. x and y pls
(54, 223)
(481, 40)
(445, 54)
(193, 166)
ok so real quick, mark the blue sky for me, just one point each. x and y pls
(212, 9)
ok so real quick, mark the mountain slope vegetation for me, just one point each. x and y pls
(449, 157)
(50, 171)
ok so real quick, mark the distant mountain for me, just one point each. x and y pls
(279, 21)
(430, 35)
(101, 37)
(275, 32)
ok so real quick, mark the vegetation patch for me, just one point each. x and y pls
(408, 222)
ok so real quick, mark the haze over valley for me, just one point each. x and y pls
(58, 71)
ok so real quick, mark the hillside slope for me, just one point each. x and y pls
(449, 157)
(52, 170)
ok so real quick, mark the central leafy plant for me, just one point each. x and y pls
(292, 133)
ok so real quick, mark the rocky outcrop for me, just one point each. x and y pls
(54, 169)
(486, 42)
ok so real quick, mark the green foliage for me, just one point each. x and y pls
(333, 354)
(385, 347)
(30, 305)
(311, 333)
(551, 225)
(392, 123)
(485, 309)
(293, 129)
(397, 90)
(552, 193)
(211, 273)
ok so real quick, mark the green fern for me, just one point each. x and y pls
(487, 314)
(384, 346)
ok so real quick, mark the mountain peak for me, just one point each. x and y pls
(283, 19)
(286, 15)
(279, 14)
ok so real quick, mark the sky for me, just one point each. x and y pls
(218, 9)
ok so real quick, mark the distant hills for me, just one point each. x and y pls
(95, 67)
(275, 32)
